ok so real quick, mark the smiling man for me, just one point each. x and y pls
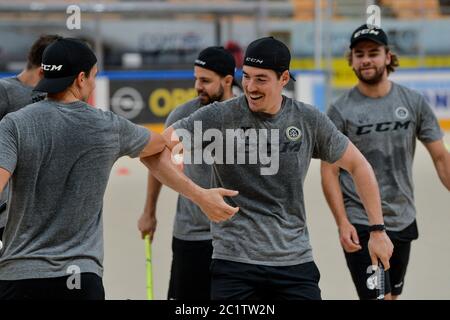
(191, 243)
(264, 250)
(383, 119)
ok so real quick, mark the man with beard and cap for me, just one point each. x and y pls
(59, 153)
(383, 119)
(264, 251)
(191, 242)
(16, 92)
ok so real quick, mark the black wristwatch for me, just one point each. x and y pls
(377, 227)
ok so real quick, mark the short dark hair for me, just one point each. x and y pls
(87, 72)
(37, 49)
(280, 73)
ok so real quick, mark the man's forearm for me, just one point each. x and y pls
(365, 182)
(380, 247)
(162, 168)
(333, 193)
(367, 189)
(153, 190)
(441, 159)
(442, 165)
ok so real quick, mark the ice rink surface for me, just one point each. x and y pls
(428, 275)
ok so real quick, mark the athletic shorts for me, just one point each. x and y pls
(358, 262)
(189, 277)
(241, 281)
(90, 288)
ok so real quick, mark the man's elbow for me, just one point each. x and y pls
(442, 165)
(155, 146)
(156, 159)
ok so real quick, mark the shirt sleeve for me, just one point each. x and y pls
(174, 116)
(4, 101)
(207, 117)
(336, 117)
(132, 138)
(187, 129)
(428, 129)
(330, 143)
(8, 145)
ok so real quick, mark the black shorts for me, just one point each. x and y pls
(243, 281)
(91, 288)
(359, 262)
(1, 233)
(190, 278)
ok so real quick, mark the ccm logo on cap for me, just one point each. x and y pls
(51, 67)
(254, 60)
(365, 31)
(197, 61)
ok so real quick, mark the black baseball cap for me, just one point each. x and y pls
(366, 32)
(219, 60)
(216, 59)
(62, 61)
(268, 53)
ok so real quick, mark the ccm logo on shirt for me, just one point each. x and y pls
(382, 127)
(51, 67)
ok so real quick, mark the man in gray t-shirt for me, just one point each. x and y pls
(191, 243)
(59, 153)
(383, 120)
(261, 144)
(17, 92)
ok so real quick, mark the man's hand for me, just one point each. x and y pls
(210, 201)
(212, 204)
(380, 247)
(349, 237)
(178, 161)
(147, 224)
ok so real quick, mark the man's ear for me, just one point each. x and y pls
(388, 58)
(228, 80)
(81, 77)
(285, 77)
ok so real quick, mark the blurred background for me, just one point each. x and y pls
(146, 51)
(146, 48)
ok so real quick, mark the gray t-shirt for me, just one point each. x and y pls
(385, 131)
(191, 224)
(61, 156)
(14, 95)
(270, 227)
